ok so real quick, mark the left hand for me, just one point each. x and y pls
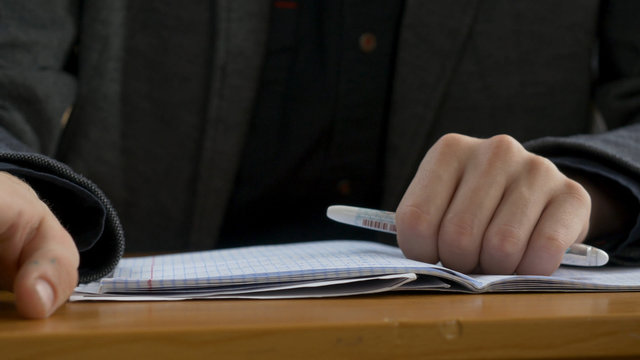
(490, 206)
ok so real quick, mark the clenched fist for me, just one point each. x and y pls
(490, 206)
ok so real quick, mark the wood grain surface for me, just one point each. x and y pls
(394, 326)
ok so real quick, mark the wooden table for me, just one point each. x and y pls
(397, 326)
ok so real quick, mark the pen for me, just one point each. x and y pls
(576, 255)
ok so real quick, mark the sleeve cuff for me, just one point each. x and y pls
(623, 248)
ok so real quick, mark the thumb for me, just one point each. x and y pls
(48, 270)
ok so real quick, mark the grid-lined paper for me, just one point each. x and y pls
(262, 264)
(335, 267)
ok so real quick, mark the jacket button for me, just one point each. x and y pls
(343, 187)
(367, 42)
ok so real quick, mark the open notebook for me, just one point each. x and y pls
(320, 269)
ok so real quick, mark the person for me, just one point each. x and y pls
(198, 123)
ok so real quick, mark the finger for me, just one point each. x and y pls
(513, 223)
(20, 215)
(423, 205)
(564, 221)
(48, 271)
(481, 189)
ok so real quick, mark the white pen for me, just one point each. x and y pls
(576, 255)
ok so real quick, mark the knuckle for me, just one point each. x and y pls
(410, 218)
(457, 234)
(447, 144)
(22, 208)
(574, 190)
(541, 165)
(553, 242)
(498, 153)
(416, 233)
(14, 223)
(20, 223)
(501, 145)
(504, 240)
(526, 196)
(540, 173)
(450, 140)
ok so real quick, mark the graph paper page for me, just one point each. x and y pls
(259, 264)
(260, 268)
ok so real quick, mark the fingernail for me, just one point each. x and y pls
(45, 292)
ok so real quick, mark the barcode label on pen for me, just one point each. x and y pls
(380, 225)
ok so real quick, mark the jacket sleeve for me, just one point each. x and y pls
(36, 39)
(617, 98)
(37, 87)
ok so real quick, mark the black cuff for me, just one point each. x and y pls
(623, 248)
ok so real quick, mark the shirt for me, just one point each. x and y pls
(316, 137)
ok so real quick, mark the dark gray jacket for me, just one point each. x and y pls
(161, 98)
